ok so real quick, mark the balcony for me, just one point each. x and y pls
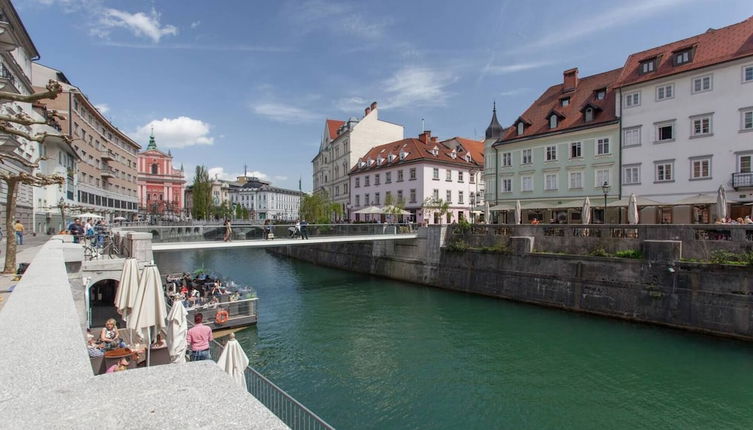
(8, 41)
(742, 180)
(106, 155)
(107, 172)
(7, 80)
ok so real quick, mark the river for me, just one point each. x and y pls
(369, 353)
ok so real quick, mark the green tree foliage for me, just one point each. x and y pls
(438, 206)
(201, 194)
(317, 208)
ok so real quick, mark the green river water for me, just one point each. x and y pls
(368, 353)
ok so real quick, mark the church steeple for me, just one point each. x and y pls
(152, 143)
(494, 131)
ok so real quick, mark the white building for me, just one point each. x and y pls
(265, 202)
(687, 124)
(342, 143)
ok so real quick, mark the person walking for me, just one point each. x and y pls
(304, 230)
(19, 228)
(228, 230)
(198, 338)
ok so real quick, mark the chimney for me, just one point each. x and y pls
(366, 111)
(373, 106)
(434, 139)
(570, 79)
(425, 137)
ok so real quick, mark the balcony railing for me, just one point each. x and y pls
(7, 75)
(107, 172)
(740, 180)
(106, 155)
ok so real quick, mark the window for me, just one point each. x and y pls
(412, 174)
(358, 200)
(413, 195)
(435, 194)
(448, 175)
(365, 180)
(601, 93)
(575, 150)
(449, 196)
(358, 182)
(588, 114)
(748, 73)
(701, 126)
(631, 136)
(648, 66)
(460, 197)
(665, 92)
(747, 119)
(564, 101)
(551, 153)
(388, 197)
(631, 174)
(506, 185)
(550, 181)
(526, 183)
(435, 174)
(472, 176)
(601, 176)
(400, 176)
(527, 156)
(377, 180)
(664, 171)
(602, 146)
(460, 176)
(576, 180)
(744, 164)
(399, 196)
(553, 121)
(387, 177)
(700, 168)
(665, 131)
(702, 84)
(507, 159)
(682, 57)
(633, 99)
(521, 128)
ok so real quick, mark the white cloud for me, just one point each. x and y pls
(513, 68)
(351, 104)
(103, 108)
(139, 23)
(177, 132)
(219, 173)
(417, 86)
(281, 178)
(514, 92)
(195, 24)
(338, 18)
(283, 113)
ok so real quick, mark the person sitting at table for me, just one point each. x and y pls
(119, 366)
(93, 347)
(198, 338)
(159, 342)
(110, 335)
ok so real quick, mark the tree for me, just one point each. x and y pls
(392, 207)
(17, 125)
(439, 206)
(318, 208)
(201, 194)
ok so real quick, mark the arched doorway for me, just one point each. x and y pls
(101, 303)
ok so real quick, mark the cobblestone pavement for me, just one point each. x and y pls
(24, 254)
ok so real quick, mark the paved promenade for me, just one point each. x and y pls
(24, 254)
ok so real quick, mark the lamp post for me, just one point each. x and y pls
(605, 189)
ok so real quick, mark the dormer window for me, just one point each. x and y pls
(521, 128)
(564, 101)
(683, 57)
(589, 114)
(371, 162)
(380, 160)
(391, 157)
(453, 154)
(601, 94)
(553, 121)
(434, 151)
(468, 157)
(403, 154)
(648, 66)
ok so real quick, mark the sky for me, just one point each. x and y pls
(235, 83)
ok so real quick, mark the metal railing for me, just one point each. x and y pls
(742, 180)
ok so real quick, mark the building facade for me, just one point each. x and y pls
(264, 201)
(341, 145)
(562, 149)
(418, 174)
(106, 175)
(687, 124)
(161, 186)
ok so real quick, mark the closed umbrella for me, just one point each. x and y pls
(586, 211)
(518, 213)
(632, 210)
(721, 203)
(127, 288)
(487, 218)
(233, 361)
(177, 328)
(149, 310)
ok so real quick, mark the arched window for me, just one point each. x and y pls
(154, 169)
(589, 114)
(553, 121)
(521, 128)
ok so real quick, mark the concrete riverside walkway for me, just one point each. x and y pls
(47, 379)
(261, 243)
(24, 254)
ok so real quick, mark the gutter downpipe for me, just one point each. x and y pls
(619, 160)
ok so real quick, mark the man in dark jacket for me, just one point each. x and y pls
(76, 229)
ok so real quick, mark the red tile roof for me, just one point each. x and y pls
(418, 150)
(333, 125)
(571, 116)
(712, 47)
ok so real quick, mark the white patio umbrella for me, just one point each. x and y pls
(233, 361)
(632, 210)
(721, 203)
(88, 215)
(149, 310)
(518, 213)
(177, 328)
(585, 214)
(127, 288)
(487, 218)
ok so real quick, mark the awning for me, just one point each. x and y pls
(640, 201)
(698, 199)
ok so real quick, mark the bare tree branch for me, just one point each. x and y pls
(53, 89)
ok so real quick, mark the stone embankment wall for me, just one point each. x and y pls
(660, 289)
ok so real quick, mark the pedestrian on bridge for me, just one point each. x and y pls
(228, 230)
(304, 230)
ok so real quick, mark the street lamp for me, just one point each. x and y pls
(605, 189)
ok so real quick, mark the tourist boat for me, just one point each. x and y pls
(234, 306)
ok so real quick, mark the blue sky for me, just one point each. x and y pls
(234, 83)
